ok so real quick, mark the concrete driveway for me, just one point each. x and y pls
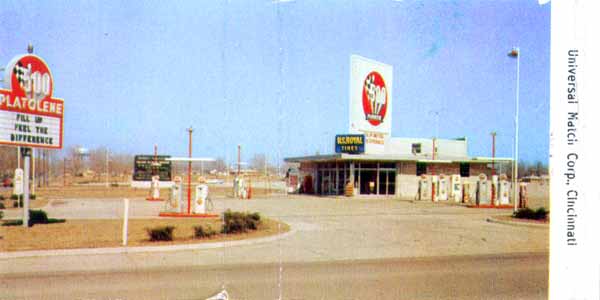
(324, 229)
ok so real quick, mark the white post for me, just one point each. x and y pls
(26, 158)
(516, 162)
(125, 220)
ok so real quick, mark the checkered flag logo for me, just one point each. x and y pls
(22, 74)
(370, 90)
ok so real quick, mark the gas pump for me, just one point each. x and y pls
(200, 200)
(443, 188)
(423, 188)
(236, 184)
(503, 190)
(175, 203)
(456, 190)
(494, 191)
(483, 192)
(434, 188)
(523, 195)
(154, 188)
(242, 192)
(466, 192)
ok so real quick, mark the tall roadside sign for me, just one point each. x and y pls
(371, 102)
(29, 115)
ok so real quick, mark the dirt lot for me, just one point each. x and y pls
(107, 233)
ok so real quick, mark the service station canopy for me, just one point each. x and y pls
(29, 115)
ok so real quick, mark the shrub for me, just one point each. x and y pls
(37, 217)
(2, 205)
(201, 232)
(12, 223)
(528, 213)
(161, 233)
(15, 197)
(1, 215)
(2, 197)
(240, 222)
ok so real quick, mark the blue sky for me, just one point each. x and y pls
(274, 77)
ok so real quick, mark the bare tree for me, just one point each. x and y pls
(258, 162)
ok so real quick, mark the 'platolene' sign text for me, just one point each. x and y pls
(29, 116)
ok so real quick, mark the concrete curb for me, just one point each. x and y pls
(517, 223)
(119, 250)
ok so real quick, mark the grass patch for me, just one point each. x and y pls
(108, 233)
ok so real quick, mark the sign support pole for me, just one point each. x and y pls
(26, 158)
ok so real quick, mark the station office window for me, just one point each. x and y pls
(421, 168)
(416, 148)
(465, 170)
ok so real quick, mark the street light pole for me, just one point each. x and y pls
(516, 53)
(189, 191)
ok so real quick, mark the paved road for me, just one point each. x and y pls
(519, 276)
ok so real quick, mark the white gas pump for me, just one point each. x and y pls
(443, 188)
(504, 190)
(424, 188)
(494, 190)
(200, 200)
(18, 182)
(435, 181)
(456, 190)
(242, 192)
(155, 188)
(483, 190)
(175, 203)
(236, 184)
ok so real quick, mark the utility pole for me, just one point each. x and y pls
(494, 187)
(238, 162)
(433, 172)
(106, 167)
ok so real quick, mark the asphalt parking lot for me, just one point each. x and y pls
(323, 229)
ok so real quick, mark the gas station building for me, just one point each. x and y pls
(369, 161)
(397, 171)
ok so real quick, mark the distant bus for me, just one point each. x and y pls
(144, 167)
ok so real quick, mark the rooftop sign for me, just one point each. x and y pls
(371, 102)
(29, 115)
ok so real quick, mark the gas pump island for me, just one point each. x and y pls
(32, 117)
